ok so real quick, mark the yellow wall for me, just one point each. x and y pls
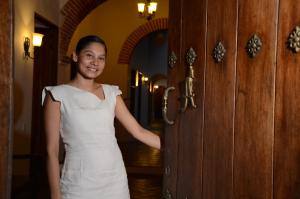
(23, 74)
(114, 21)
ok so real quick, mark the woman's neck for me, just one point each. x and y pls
(82, 83)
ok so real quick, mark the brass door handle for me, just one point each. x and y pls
(165, 105)
(188, 96)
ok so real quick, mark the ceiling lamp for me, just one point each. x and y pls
(147, 9)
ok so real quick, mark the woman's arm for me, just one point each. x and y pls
(52, 125)
(129, 122)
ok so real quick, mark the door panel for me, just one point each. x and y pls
(241, 141)
(254, 115)
(191, 121)
(287, 111)
(175, 74)
(219, 100)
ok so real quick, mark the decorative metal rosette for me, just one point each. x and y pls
(219, 52)
(294, 40)
(191, 56)
(254, 45)
(172, 59)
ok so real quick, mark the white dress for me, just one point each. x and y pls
(93, 166)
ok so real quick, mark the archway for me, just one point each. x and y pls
(134, 38)
(74, 11)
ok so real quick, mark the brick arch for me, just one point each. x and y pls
(74, 11)
(133, 39)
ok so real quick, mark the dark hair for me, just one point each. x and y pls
(85, 41)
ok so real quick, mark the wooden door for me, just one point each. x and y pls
(175, 74)
(242, 140)
(184, 139)
(190, 130)
(6, 97)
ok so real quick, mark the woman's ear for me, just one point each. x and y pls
(74, 57)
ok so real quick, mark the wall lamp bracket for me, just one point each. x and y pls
(26, 49)
(37, 42)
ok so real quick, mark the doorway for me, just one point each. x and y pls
(45, 62)
(148, 75)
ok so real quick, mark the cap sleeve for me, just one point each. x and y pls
(54, 91)
(116, 91)
(113, 91)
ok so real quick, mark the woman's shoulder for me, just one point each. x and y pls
(111, 86)
(113, 89)
(58, 89)
(56, 92)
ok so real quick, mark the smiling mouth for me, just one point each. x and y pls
(92, 69)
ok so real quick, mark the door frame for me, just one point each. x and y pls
(6, 99)
(44, 74)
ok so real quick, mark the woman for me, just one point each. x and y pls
(83, 112)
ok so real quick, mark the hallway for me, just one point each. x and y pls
(144, 169)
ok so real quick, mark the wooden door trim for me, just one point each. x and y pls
(6, 97)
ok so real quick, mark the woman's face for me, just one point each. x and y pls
(91, 60)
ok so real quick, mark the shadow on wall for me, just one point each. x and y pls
(21, 145)
(18, 99)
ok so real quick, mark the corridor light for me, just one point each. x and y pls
(145, 79)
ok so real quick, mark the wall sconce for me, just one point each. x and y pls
(36, 41)
(144, 78)
(151, 9)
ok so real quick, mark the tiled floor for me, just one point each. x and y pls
(143, 187)
(144, 169)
